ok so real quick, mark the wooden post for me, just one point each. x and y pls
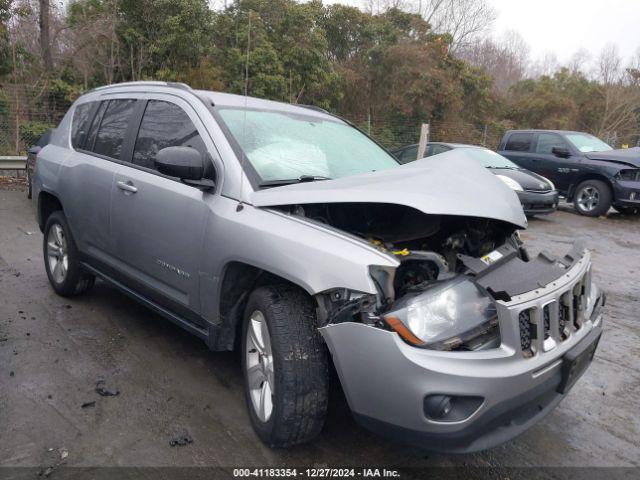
(424, 139)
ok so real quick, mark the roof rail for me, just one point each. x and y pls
(156, 83)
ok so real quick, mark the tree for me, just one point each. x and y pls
(45, 36)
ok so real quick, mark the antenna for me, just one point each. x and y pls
(244, 120)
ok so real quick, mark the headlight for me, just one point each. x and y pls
(511, 183)
(629, 175)
(444, 316)
(553, 187)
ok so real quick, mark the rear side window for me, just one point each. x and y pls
(93, 129)
(164, 124)
(113, 128)
(519, 142)
(546, 142)
(436, 149)
(80, 124)
(409, 154)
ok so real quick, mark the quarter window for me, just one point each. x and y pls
(519, 142)
(546, 142)
(113, 128)
(164, 124)
(80, 124)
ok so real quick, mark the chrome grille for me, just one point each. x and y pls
(546, 320)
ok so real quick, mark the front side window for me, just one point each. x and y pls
(80, 124)
(285, 146)
(164, 124)
(546, 142)
(113, 128)
(587, 143)
(519, 142)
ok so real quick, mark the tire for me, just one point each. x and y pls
(297, 384)
(61, 259)
(29, 186)
(627, 210)
(592, 198)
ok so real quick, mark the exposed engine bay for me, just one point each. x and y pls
(427, 246)
(452, 270)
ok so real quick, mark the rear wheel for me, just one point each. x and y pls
(592, 198)
(29, 186)
(285, 366)
(61, 258)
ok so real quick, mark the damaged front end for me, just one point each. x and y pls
(466, 346)
(431, 280)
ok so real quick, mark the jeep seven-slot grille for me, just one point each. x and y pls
(569, 313)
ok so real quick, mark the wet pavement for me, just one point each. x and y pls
(54, 351)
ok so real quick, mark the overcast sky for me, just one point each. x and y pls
(563, 27)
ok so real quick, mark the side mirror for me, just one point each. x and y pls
(561, 152)
(186, 163)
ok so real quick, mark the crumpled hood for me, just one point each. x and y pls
(629, 156)
(451, 183)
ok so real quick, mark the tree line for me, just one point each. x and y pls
(393, 64)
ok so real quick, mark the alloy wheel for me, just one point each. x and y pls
(588, 198)
(57, 254)
(259, 365)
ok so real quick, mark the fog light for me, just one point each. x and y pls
(450, 408)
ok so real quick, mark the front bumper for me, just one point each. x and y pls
(538, 202)
(386, 380)
(626, 194)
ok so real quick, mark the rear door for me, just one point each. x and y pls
(158, 222)
(518, 149)
(97, 136)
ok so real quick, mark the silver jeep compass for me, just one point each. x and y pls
(285, 232)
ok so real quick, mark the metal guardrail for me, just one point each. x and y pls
(13, 163)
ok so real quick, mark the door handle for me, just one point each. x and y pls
(127, 187)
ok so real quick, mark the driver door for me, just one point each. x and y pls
(158, 221)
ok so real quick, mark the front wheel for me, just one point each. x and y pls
(592, 198)
(285, 366)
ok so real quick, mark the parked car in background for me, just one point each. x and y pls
(32, 157)
(287, 233)
(536, 193)
(584, 169)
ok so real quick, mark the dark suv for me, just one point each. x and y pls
(583, 168)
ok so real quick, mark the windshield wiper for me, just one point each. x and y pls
(504, 168)
(290, 181)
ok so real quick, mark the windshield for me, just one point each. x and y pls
(284, 145)
(587, 143)
(489, 158)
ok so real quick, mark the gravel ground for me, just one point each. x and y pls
(54, 350)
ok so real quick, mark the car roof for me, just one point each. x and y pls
(219, 98)
(535, 130)
(446, 144)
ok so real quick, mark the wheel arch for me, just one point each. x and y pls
(47, 204)
(588, 176)
(237, 281)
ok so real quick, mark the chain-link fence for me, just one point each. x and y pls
(26, 112)
(394, 134)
